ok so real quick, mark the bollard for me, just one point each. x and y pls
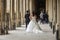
(57, 35)
(53, 29)
(51, 25)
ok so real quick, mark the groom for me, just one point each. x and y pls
(27, 19)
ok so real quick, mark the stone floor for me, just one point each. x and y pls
(21, 34)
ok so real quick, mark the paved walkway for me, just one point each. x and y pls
(20, 34)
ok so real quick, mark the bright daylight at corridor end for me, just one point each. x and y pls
(29, 19)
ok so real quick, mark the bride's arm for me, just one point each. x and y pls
(30, 17)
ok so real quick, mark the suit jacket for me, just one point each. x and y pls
(27, 19)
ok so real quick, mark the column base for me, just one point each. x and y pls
(3, 31)
(12, 28)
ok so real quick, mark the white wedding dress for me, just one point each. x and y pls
(33, 26)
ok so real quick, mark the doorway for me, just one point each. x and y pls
(40, 4)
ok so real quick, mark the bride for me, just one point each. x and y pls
(33, 26)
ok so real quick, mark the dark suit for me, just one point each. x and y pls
(27, 19)
(45, 16)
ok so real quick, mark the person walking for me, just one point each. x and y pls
(27, 19)
(41, 17)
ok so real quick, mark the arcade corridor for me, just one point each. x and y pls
(12, 17)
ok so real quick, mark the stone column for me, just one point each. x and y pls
(24, 10)
(4, 22)
(54, 11)
(33, 5)
(54, 15)
(27, 5)
(50, 10)
(21, 10)
(16, 13)
(19, 14)
(3, 27)
(30, 3)
(58, 11)
(11, 14)
(15, 4)
(2, 19)
(58, 20)
(8, 12)
(8, 6)
(47, 3)
(0, 15)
